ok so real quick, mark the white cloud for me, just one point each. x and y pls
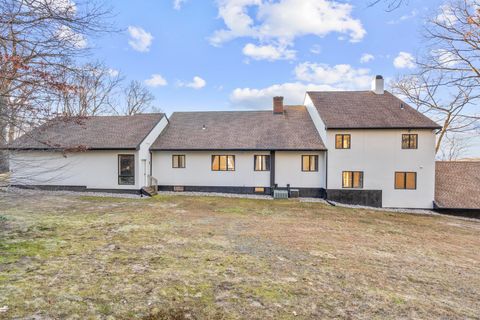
(405, 17)
(283, 21)
(316, 49)
(63, 7)
(310, 77)
(268, 52)
(113, 72)
(177, 4)
(75, 39)
(197, 83)
(445, 58)
(140, 40)
(446, 16)
(366, 58)
(156, 80)
(404, 60)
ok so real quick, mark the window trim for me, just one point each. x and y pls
(184, 161)
(268, 162)
(353, 178)
(343, 140)
(404, 180)
(226, 159)
(119, 170)
(309, 162)
(409, 147)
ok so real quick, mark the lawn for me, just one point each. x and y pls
(181, 257)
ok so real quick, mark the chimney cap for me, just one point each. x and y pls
(378, 76)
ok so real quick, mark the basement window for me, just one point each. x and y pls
(126, 169)
(406, 180)
(261, 162)
(352, 179)
(310, 163)
(409, 141)
(342, 141)
(178, 161)
(223, 163)
(259, 190)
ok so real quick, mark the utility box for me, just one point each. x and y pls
(280, 194)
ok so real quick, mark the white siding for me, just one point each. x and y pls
(379, 153)
(92, 169)
(288, 170)
(314, 115)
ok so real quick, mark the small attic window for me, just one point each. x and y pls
(204, 127)
(402, 106)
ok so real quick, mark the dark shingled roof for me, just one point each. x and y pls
(95, 132)
(367, 110)
(457, 184)
(240, 130)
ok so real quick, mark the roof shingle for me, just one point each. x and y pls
(240, 130)
(457, 184)
(367, 110)
(95, 132)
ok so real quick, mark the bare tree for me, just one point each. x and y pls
(390, 4)
(450, 105)
(137, 98)
(454, 147)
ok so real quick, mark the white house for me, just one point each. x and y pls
(359, 147)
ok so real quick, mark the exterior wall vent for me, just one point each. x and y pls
(280, 194)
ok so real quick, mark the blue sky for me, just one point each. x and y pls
(237, 54)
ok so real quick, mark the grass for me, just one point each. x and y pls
(180, 257)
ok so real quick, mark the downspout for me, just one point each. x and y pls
(326, 174)
(272, 171)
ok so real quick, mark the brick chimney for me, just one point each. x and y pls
(278, 105)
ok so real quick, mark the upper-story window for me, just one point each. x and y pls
(342, 141)
(406, 180)
(352, 179)
(223, 163)
(409, 141)
(310, 163)
(261, 162)
(178, 161)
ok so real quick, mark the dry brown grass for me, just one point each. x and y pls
(220, 258)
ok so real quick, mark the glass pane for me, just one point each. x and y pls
(126, 166)
(411, 180)
(313, 163)
(231, 163)
(181, 162)
(347, 179)
(175, 161)
(404, 141)
(358, 179)
(399, 180)
(216, 163)
(338, 141)
(305, 163)
(413, 141)
(346, 141)
(126, 180)
(258, 163)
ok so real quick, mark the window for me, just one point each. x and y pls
(178, 161)
(406, 180)
(259, 190)
(342, 141)
(261, 163)
(126, 169)
(409, 141)
(310, 163)
(352, 179)
(223, 163)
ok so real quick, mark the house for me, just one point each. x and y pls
(457, 187)
(89, 153)
(358, 147)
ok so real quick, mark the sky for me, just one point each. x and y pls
(238, 54)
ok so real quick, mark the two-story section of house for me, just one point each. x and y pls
(381, 151)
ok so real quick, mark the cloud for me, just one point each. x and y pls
(404, 60)
(405, 17)
(366, 58)
(62, 7)
(316, 49)
(156, 80)
(446, 15)
(310, 77)
(445, 58)
(197, 83)
(75, 39)
(140, 40)
(281, 22)
(177, 4)
(268, 52)
(113, 72)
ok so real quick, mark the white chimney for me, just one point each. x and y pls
(378, 85)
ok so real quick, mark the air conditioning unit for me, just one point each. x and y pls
(294, 193)
(280, 194)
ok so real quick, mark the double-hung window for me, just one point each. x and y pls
(406, 180)
(409, 141)
(223, 163)
(352, 179)
(261, 162)
(310, 163)
(126, 169)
